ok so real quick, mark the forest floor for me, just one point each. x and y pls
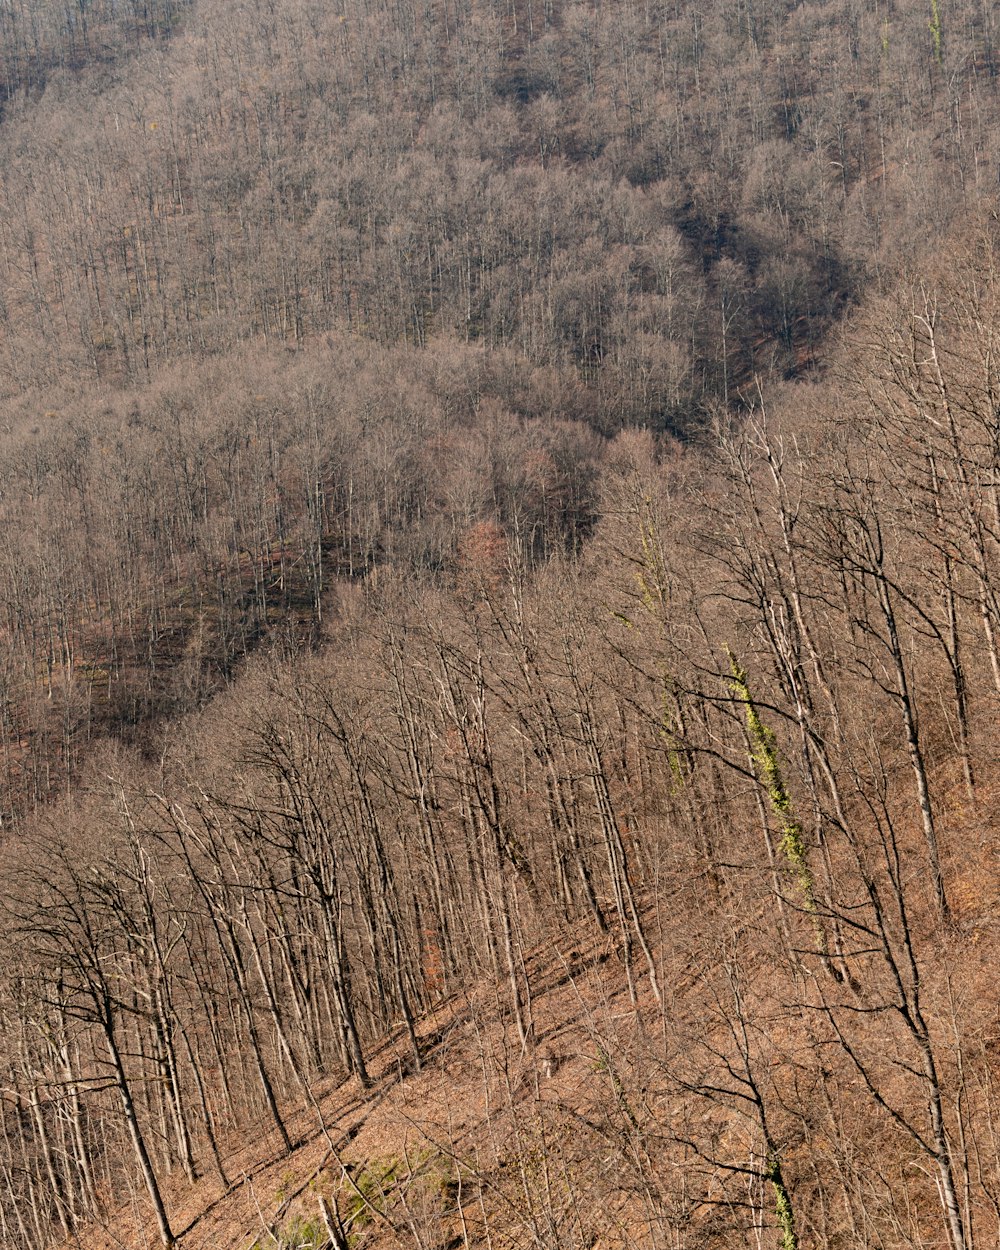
(451, 1154)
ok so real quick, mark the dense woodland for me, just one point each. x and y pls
(490, 477)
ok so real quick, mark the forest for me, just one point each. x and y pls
(500, 594)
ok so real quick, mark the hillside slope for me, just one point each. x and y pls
(500, 602)
(698, 818)
(482, 1142)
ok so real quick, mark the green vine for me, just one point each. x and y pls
(782, 1205)
(766, 765)
(935, 29)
